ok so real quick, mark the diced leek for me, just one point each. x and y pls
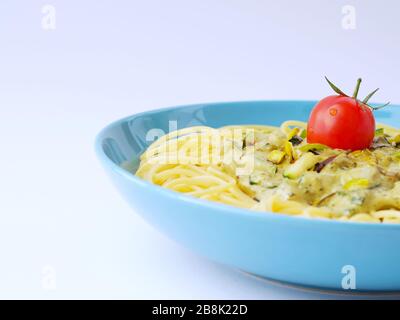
(303, 134)
(304, 163)
(276, 156)
(356, 184)
(313, 146)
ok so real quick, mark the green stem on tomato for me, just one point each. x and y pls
(336, 89)
(355, 94)
(365, 101)
(380, 107)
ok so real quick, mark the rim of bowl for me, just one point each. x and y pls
(261, 215)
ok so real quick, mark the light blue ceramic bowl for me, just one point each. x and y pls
(307, 252)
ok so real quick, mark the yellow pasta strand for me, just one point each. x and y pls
(194, 161)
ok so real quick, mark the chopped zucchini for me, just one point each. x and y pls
(255, 179)
(292, 133)
(265, 166)
(276, 156)
(304, 163)
(313, 146)
(379, 132)
(290, 151)
(363, 155)
(396, 139)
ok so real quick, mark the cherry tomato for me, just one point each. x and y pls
(342, 122)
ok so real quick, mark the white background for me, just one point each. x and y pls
(64, 230)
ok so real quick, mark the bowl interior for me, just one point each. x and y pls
(124, 140)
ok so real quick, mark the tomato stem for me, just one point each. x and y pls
(336, 89)
(355, 94)
(380, 107)
(365, 101)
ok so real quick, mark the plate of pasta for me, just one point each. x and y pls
(248, 185)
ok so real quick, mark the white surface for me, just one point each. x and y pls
(109, 59)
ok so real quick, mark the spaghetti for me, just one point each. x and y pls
(267, 168)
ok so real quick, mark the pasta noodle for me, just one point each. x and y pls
(267, 168)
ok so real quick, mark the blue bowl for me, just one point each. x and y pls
(308, 252)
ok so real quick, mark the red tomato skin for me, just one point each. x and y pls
(341, 123)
